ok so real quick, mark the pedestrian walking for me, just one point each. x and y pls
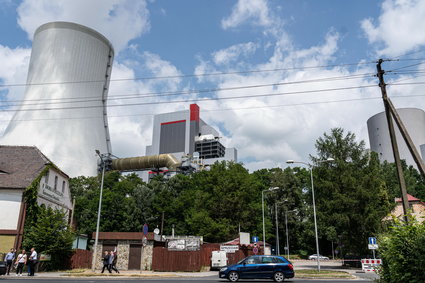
(21, 260)
(10, 257)
(32, 261)
(106, 262)
(114, 261)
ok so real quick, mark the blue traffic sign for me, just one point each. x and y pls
(372, 241)
(254, 239)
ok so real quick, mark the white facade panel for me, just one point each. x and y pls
(10, 205)
(54, 191)
(413, 119)
(69, 70)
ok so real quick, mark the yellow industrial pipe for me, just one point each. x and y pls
(146, 162)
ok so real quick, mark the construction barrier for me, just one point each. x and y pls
(369, 265)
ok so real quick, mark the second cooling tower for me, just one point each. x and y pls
(379, 137)
(64, 109)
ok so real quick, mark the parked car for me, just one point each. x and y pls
(259, 267)
(2, 267)
(321, 257)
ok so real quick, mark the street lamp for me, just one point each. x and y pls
(264, 225)
(310, 166)
(102, 162)
(287, 231)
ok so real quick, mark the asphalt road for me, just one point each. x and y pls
(167, 280)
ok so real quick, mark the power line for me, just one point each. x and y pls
(187, 75)
(192, 100)
(199, 91)
(224, 109)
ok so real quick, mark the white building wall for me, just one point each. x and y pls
(55, 196)
(10, 205)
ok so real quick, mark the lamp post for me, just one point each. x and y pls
(287, 231)
(93, 265)
(264, 225)
(310, 166)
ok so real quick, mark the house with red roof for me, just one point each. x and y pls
(416, 206)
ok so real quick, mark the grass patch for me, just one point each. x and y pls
(312, 273)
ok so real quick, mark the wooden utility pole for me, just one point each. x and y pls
(396, 152)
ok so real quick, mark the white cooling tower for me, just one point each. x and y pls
(379, 137)
(64, 113)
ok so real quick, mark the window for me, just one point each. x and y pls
(267, 259)
(56, 183)
(47, 176)
(63, 186)
(252, 260)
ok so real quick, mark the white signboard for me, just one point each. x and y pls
(229, 249)
(244, 238)
(373, 246)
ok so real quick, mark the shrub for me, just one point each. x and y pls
(402, 250)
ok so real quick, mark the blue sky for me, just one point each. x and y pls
(176, 38)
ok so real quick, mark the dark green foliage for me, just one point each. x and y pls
(51, 235)
(351, 195)
(402, 251)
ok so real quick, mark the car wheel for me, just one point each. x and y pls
(233, 276)
(279, 277)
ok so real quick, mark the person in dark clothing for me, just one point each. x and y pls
(114, 261)
(106, 262)
(9, 260)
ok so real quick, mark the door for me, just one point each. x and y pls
(135, 257)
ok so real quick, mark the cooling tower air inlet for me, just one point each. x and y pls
(146, 162)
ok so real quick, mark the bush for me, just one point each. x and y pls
(402, 251)
(50, 235)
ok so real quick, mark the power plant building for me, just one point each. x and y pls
(184, 132)
(64, 109)
(414, 121)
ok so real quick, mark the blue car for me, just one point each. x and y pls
(259, 267)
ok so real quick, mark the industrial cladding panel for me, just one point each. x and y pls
(172, 137)
(63, 53)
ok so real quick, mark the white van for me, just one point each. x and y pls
(218, 259)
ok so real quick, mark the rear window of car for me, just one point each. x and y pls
(277, 260)
(267, 259)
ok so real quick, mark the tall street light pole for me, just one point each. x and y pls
(93, 265)
(310, 166)
(287, 231)
(264, 225)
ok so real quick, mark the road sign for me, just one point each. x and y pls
(372, 241)
(229, 248)
(145, 229)
(373, 246)
(255, 250)
(255, 239)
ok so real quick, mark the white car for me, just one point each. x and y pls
(321, 257)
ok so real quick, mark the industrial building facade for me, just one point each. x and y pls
(413, 119)
(184, 132)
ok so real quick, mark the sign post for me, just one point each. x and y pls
(373, 245)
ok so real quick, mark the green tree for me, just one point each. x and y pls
(50, 235)
(351, 195)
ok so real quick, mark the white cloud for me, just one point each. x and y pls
(119, 20)
(232, 53)
(399, 28)
(256, 12)
(13, 69)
